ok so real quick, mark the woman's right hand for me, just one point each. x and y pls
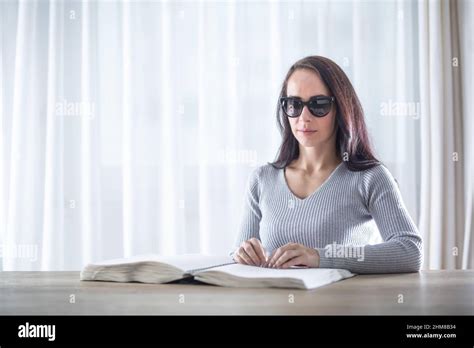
(251, 252)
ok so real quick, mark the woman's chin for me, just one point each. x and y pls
(308, 142)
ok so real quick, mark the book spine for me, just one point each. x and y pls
(192, 271)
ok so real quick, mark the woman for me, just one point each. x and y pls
(326, 196)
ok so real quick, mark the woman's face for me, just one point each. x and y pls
(309, 130)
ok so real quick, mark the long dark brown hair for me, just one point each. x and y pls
(352, 140)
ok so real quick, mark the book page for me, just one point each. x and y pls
(238, 275)
(184, 262)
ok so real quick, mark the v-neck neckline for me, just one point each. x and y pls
(315, 191)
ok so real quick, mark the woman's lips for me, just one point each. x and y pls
(306, 131)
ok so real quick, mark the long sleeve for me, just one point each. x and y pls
(251, 216)
(402, 244)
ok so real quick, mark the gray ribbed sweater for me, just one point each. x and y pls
(339, 219)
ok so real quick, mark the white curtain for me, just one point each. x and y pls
(131, 127)
(446, 61)
(465, 14)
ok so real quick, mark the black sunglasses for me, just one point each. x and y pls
(319, 105)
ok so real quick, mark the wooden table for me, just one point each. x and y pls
(423, 293)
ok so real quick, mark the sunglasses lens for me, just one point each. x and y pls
(292, 107)
(320, 106)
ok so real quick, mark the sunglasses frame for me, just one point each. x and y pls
(306, 103)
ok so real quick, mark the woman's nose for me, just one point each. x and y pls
(306, 114)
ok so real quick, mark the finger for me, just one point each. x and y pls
(294, 261)
(287, 255)
(264, 252)
(259, 250)
(286, 247)
(239, 259)
(234, 254)
(243, 255)
(236, 251)
(275, 256)
(280, 251)
(268, 258)
(248, 247)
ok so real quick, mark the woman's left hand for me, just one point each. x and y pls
(293, 254)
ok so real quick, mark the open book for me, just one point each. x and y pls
(216, 270)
